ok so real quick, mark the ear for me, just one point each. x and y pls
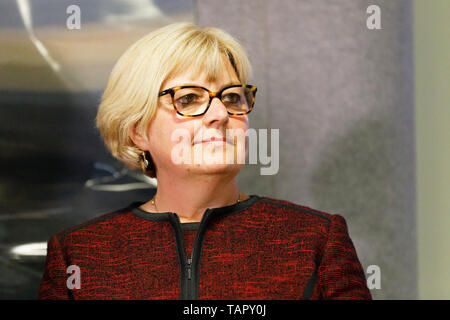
(137, 138)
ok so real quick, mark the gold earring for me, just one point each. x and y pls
(145, 162)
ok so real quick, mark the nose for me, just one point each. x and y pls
(216, 114)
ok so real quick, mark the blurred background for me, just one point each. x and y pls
(363, 117)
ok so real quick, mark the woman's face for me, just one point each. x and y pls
(182, 145)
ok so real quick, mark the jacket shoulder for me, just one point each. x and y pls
(103, 221)
(304, 211)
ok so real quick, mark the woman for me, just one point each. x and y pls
(170, 103)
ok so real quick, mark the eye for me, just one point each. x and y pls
(231, 98)
(188, 98)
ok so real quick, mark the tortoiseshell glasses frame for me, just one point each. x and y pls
(212, 95)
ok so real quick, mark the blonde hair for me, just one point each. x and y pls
(131, 94)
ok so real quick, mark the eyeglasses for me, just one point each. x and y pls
(194, 101)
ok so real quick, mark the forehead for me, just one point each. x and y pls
(213, 78)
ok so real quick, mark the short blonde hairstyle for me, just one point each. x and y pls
(131, 94)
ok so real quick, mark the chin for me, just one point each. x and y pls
(214, 168)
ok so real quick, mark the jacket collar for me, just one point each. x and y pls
(210, 212)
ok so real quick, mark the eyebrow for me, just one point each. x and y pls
(197, 85)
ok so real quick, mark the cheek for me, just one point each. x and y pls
(160, 135)
(171, 134)
(239, 124)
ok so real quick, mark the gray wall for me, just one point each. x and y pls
(343, 99)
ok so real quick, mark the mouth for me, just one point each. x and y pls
(213, 140)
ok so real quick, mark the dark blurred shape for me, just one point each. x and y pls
(55, 171)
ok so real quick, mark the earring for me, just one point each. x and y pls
(145, 164)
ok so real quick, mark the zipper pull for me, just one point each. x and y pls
(189, 261)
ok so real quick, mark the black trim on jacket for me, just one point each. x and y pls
(190, 272)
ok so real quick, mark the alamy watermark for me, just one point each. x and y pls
(73, 21)
(215, 148)
(373, 22)
(374, 278)
(74, 280)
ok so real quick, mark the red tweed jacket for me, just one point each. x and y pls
(260, 248)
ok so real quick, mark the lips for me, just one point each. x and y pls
(212, 139)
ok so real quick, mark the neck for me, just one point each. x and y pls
(190, 197)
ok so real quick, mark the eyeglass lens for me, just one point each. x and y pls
(193, 101)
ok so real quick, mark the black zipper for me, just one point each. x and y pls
(189, 262)
(193, 262)
(189, 281)
(190, 266)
